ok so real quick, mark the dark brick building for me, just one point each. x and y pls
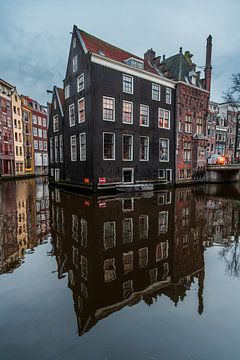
(116, 123)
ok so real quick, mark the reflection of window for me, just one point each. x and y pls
(127, 289)
(161, 199)
(109, 270)
(71, 277)
(153, 274)
(143, 257)
(109, 234)
(127, 204)
(127, 262)
(165, 271)
(162, 251)
(75, 227)
(163, 222)
(84, 233)
(127, 230)
(143, 227)
(84, 290)
(84, 267)
(75, 256)
(163, 149)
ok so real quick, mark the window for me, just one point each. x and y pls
(161, 174)
(109, 270)
(163, 118)
(56, 149)
(155, 92)
(162, 222)
(127, 230)
(34, 117)
(35, 144)
(163, 149)
(127, 114)
(187, 150)
(144, 115)
(61, 147)
(108, 146)
(39, 120)
(73, 146)
(40, 133)
(199, 122)
(75, 63)
(51, 150)
(127, 147)
(82, 141)
(127, 175)
(35, 131)
(143, 227)
(109, 234)
(127, 262)
(144, 148)
(67, 91)
(81, 110)
(127, 84)
(181, 174)
(40, 145)
(72, 115)
(188, 124)
(80, 83)
(168, 96)
(108, 109)
(16, 150)
(45, 134)
(45, 146)
(20, 150)
(162, 251)
(84, 233)
(44, 122)
(55, 123)
(189, 173)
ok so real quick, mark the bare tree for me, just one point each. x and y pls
(233, 93)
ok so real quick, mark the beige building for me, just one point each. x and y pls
(18, 133)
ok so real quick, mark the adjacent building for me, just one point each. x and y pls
(18, 133)
(6, 130)
(27, 136)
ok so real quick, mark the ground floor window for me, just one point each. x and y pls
(161, 174)
(127, 175)
(181, 174)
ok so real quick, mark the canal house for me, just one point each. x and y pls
(116, 122)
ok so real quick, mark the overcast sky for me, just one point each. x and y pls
(35, 35)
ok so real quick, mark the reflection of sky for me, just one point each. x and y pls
(34, 37)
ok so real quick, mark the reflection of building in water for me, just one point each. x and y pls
(18, 220)
(122, 250)
(222, 221)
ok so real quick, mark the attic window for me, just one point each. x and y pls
(101, 52)
(134, 62)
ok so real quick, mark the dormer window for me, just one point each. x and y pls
(135, 62)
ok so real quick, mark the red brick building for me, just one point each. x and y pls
(192, 98)
(6, 130)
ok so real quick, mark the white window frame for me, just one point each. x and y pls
(80, 100)
(146, 137)
(75, 63)
(80, 149)
(170, 96)
(67, 91)
(126, 122)
(146, 106)
(169, 118)
(71, 106)
(71, 138)
(109, 98)
(159, 92)
(124, 90)
(113, 146)
(128, 169)
(131, 136)
(159, 149)
(78, 82)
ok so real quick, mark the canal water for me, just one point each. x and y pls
(150, 276)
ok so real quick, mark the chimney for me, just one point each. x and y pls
(208, 66)
(157, 60)
(149, 55)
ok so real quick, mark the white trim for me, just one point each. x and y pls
(131, 149)
(67, 91)
(159, 149)
(167, 88)
(78, 78)
(170, 172)
(127, 92)
(72, 105)
(84, 110)
(132, 179)
(106, 132)
(71, 137)
(125, 122)
(147, 137)
(80, 156)
(127, 69)
(159, 92)
(108, 97)
(169, 118)
(81, 39)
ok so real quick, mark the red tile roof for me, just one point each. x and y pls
(99, 46)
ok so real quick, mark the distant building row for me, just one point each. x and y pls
(124, 119)
(23, 134)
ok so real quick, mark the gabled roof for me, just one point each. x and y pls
(60, 98)
(100, 47)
